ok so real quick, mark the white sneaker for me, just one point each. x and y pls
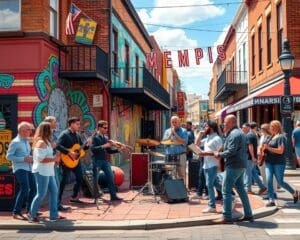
(210, 210)
(196, 196)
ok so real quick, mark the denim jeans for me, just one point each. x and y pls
(45, 183)
(251, 174)
(65, 174)
(234, 177)
(105, 166)
(201, 179)
(211, 182)
(278, 171)
(27, 190)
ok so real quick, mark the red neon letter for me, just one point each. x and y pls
(221, 52)
(167, 58)
(183, 58)
(151, 60)
(210, 57)
(198, 55)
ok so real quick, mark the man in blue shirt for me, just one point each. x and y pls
(178, 134)
(296, 141)
(19, 153)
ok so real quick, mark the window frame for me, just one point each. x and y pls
(279, 29)
(127, 62)
(19, 27)
(269, 39)
(260, 48)
(253, 54)
(56, 23)
(115, 49)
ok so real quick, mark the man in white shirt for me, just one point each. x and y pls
(211, 143)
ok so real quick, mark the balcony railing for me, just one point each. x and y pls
(83, 61)
(129, 82)
(230, 82)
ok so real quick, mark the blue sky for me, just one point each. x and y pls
(211, 20)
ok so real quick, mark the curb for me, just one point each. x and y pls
(127, 224)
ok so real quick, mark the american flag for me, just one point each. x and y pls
(73, 14)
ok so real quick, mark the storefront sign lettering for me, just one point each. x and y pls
(7, 186)
(5, 138)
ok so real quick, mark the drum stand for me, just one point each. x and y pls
(150, 187)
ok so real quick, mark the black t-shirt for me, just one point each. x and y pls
(251, 139)
(275, 158)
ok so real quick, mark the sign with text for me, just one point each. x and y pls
(7, 186)
(5, 138)
(286, 104)
(180, 104)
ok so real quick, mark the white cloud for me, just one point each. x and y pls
(9, 20)
(196, 77)
(180, 16)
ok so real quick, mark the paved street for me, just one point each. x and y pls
(284, 225)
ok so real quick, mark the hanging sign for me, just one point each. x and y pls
(184, 59)
(86, 31)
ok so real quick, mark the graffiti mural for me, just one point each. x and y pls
(6, 80)
(57, 98)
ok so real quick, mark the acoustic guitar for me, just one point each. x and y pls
(70, 162)
(263, 152)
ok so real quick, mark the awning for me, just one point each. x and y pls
(222, 113)
(268, 95)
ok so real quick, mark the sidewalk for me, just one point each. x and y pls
(290, 173)
(142, 213)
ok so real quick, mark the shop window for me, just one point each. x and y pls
(115, 50)
(127, 61)
(10, 12)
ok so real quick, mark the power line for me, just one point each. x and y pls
(197, 5)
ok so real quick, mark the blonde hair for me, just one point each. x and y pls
(298, 123)
(277, 126)
(43, 132)
(266, 127)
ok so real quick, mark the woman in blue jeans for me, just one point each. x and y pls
(43, 170)
(275, 162)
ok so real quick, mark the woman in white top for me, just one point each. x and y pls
(43, 170)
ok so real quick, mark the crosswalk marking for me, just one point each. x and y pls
(283, 231)
(294, 180)
(287, 220)
(291, 210)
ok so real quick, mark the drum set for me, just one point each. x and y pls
(160, 166)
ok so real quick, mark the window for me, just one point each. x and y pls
(10, 15)
(127, 61)
(137, 70)
(54, 18)
(279, 29)
(115, 50)
(240, 66)
(260, 48)
(244, 61)
(253, 54)
(269, 40)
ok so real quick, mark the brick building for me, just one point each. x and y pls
(44, 72)
(269, 23)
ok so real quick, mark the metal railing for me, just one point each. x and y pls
(231, 77)
(139, 78)
(83, 58)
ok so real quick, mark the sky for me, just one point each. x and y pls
(178, 28)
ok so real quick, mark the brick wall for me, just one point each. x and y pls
(258, 12)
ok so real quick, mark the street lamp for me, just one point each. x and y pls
(287, 61)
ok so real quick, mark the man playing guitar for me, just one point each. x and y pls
(66, 140)
(100, 146)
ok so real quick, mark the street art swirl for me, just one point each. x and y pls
(6, 80)
(57, 97)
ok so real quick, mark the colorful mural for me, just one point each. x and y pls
(125, 37)
(58, 98)
(6, 80)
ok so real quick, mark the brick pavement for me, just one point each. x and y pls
(142, 208)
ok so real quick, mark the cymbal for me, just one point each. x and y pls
(157, 154)
(148, 142)
(170, 142)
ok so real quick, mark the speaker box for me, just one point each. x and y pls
(139, 169)
(174, 191)
(193, 173)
